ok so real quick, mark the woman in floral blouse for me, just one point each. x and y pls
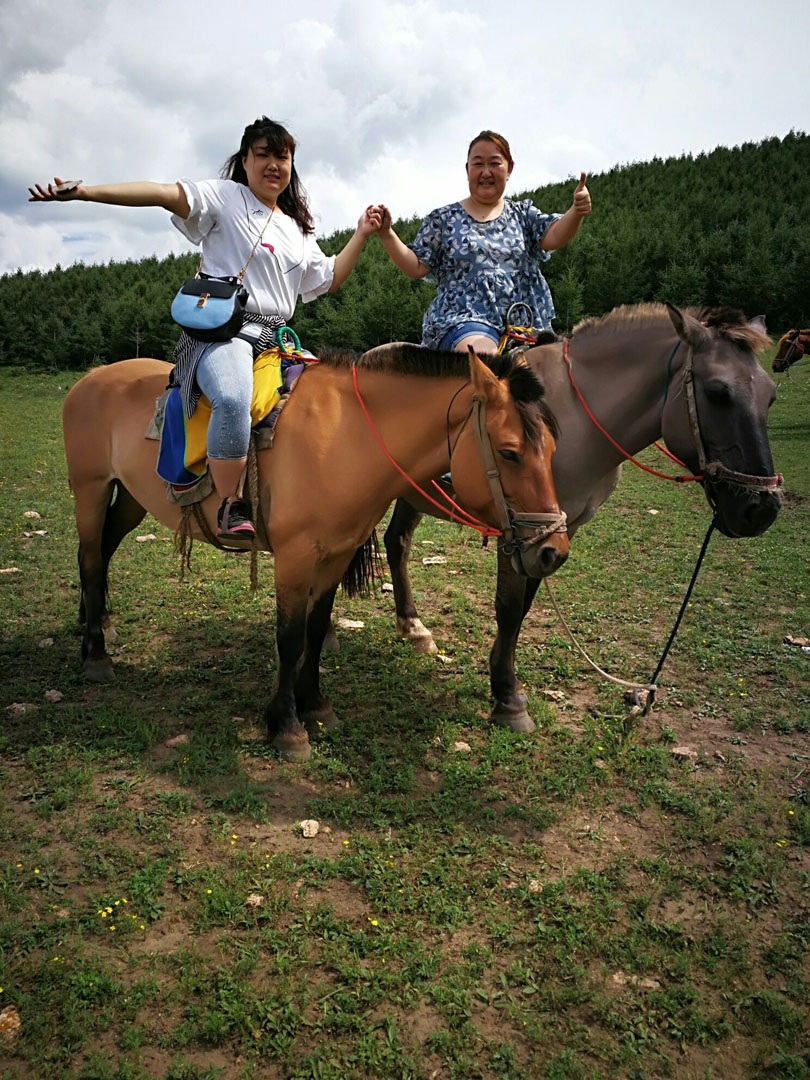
(484, 252)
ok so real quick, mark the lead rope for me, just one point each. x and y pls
(650, 687)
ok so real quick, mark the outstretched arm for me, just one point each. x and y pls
(566, 228)
(171, 197)
(345, 260)
(401, 256)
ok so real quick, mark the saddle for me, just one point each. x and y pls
(182, 461)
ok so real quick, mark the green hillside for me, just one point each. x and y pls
(728, 227)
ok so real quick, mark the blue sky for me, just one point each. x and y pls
(382, 96)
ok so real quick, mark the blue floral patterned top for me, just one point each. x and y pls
(483, 267)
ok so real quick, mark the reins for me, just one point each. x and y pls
(609, 437)
(462, 517)
(710, 472)
(650, 687)
(542, 524)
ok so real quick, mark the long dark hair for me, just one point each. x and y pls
(293, 199)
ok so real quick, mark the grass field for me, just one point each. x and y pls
(579, 903)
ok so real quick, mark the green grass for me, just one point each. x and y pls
(579, 903)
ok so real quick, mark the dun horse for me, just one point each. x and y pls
(638, 377)
(791, 348)
(322, 488)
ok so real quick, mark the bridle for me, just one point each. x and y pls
(520, 531)
(715, 472)
(792, 353)
(711, 472)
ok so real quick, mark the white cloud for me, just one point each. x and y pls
(383, 97)
(37, 35)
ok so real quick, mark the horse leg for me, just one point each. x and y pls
(123, 515)
(314, 711)
(101, 523)
(91, 503)
(398, 537)
(284, 729)
(512, 601)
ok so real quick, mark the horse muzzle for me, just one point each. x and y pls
(739, 514)
(537, 544)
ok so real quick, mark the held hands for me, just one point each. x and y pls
(71, 189)
(582, 198)
(385, 218)
(370, 221)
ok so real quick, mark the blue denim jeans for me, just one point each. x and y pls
(462, 330)
(225, 376)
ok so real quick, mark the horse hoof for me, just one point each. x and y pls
(330, 642)
(518, 720)
(99, 671)
(292, 747)
(319, 720)
(417, 634)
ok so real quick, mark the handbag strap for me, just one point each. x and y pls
(240, 276)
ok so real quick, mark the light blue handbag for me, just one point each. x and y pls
(212, 309)
(209, 309)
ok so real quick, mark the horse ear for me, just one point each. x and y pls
(481, 377)
(758, 324)
(687, 327)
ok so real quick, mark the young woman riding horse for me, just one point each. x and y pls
(323, 486)
(257, 218)
(485, 252)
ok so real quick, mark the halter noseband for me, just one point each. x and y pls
(792, 353)
(712, 472)
(715, 472)
(512, 545)
(536, 527)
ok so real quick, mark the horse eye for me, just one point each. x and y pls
(510, 455)
(718, 392)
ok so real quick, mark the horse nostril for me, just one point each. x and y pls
(551, 559)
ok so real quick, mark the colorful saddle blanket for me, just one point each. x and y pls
(182, 460)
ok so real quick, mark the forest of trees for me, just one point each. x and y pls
(728, 227)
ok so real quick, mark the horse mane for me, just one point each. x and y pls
(405, 358)
(729, 322)
(732, 324)
(625, 317)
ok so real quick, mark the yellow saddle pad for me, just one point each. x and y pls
(266, 394)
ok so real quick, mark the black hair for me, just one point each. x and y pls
(493, 137)
(293, 199)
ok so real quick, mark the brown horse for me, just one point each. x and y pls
(791, 348)
(322, 488)
(641, 379)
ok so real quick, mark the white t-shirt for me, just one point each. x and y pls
(226, 218)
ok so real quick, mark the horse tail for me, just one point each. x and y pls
(364, 569)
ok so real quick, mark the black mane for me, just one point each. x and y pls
(404, 358)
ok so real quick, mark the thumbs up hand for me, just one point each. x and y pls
(582, 198)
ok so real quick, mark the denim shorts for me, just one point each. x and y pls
(456, 333)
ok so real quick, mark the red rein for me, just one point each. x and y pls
(462, 517)
(612, 441)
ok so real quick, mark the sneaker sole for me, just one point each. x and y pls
(244, 537)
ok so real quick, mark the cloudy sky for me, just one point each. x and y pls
(382, 95)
